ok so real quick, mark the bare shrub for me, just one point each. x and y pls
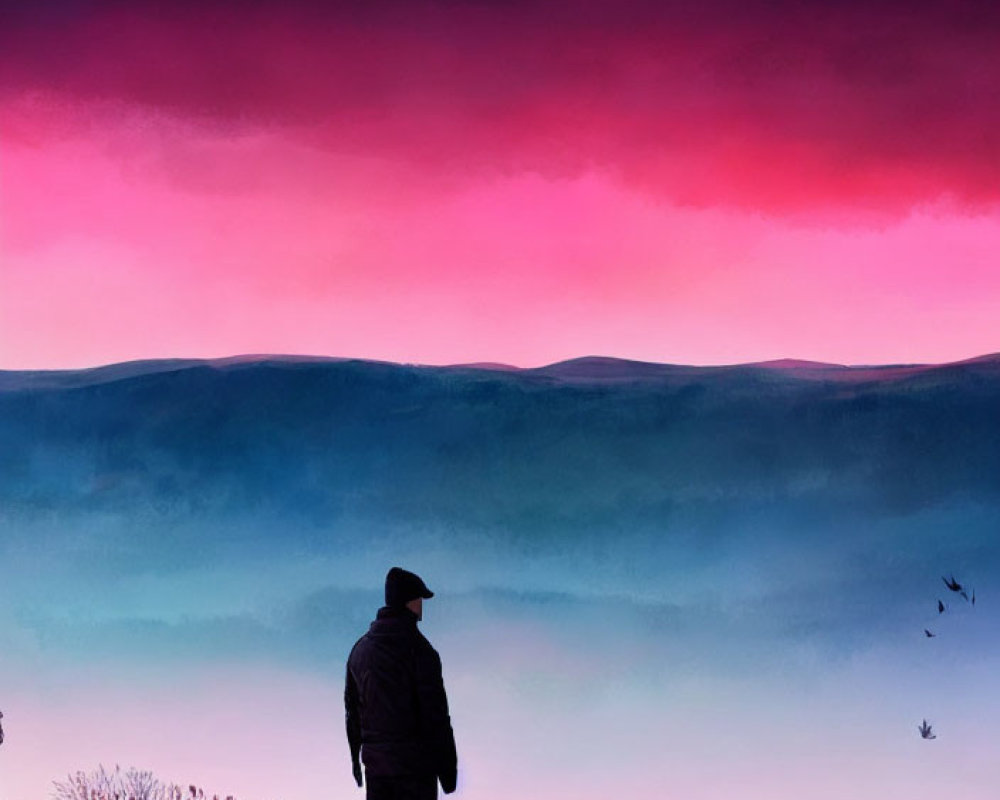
(130, 784)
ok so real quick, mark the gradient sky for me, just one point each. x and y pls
(446, 181)
(440, 182)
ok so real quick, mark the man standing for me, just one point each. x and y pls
(396, 706)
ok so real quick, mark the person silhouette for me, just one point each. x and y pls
(396, 707)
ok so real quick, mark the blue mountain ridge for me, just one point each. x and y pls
(842, 484)
(583, 444)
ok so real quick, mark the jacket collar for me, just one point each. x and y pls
(393, 618)
(396, 612)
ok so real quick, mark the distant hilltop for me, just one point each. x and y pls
(588, 447)
(586, 369)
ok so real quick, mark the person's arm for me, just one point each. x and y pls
(353, 721)
(435, 721)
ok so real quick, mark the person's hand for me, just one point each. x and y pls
(357, 773)
(448, 782)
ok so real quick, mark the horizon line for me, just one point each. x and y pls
(781, 363)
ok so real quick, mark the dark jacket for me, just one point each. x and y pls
(395, 702)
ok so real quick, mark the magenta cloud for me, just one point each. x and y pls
(778, 107)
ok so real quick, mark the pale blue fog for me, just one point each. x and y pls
(650, 580)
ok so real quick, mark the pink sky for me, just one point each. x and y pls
(441, 183)
(263, 732)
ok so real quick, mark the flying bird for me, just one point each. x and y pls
(928, 634)
(940, 607)
(973, 597)
(1, 728)
(954, 585)
(925, 730)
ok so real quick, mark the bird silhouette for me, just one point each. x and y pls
(1, 728)
(940, 607)
(973, 597)
(925, 730)
(928, 634)
(954, 585)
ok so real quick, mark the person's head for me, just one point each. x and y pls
(404, 589)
